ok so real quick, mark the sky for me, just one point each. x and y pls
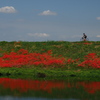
(49, 20)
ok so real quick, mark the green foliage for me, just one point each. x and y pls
(64, 49)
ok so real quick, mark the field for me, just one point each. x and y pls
(50, 59)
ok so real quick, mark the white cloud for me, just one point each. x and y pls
(98, 18)
(38, 34)
(98, 36)
(7, 9)
(48, 12)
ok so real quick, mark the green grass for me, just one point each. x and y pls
(65, 49)
(58, 74)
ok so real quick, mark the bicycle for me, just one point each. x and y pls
(84, 39)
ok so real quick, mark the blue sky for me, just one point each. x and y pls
(47, 20)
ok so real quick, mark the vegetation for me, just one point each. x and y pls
(50, 59)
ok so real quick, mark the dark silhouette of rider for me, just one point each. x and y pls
(84, 36)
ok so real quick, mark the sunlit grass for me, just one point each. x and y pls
(73, 53)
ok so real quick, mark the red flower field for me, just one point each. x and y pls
(91, 60)
(23, 58)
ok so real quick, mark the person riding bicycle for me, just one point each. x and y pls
(84, 36)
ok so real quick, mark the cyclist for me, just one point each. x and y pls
(84, 37)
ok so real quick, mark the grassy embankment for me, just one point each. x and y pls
(73, 54)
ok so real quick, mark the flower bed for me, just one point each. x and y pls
(91, 60)
(23, 58)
